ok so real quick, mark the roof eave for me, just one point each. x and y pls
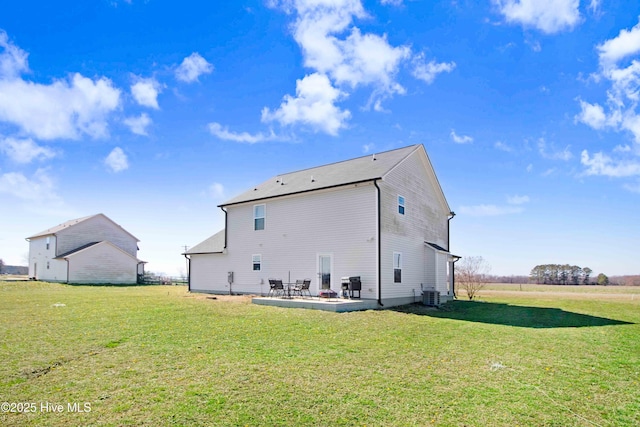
(328, 187)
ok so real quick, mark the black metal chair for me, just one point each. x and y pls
(275, 287)
(306, 284)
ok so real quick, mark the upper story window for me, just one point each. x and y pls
(259, 212)
(257, 262)
(401, 205)
(48, 242)
(397, 267)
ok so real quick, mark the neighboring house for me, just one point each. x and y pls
(93, 249)
(382, 217)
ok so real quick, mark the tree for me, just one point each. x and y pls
(471, 274)
(587, 271)
(603, 279)
(1, 265)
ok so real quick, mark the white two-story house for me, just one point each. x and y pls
(382, 217)
(93, 249)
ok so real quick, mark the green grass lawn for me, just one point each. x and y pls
(158, 355)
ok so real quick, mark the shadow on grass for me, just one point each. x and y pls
(510, 315)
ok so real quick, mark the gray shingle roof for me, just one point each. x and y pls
(71, 223)
(214, 244)
(335, 174)
(60, 227)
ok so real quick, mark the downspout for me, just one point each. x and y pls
(453, 276)
(452, 213)
(375, 182)
(225, 228)
(188, 272)
(66, 259)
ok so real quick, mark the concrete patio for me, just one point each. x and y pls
(337, 305)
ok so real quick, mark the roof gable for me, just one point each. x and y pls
(69, 224)
(361, 169)
(92, 246)
(430, 173)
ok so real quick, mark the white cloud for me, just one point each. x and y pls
(518, 200)
(192, 67)
(314, 106)
(529, 167)
(592, 115)
(548, 16)
(619, 114)
(428, 72)
(503, 147)
(117, 160)
(146, 91)
(627, 43)
(460, 139)
(224, 133)
(554, 154)
(342, 58)
(13, 60)
(66, 108)
(59, 110)
(601, 164)
(489, 210)
(138, 125)
(39, 189)
(216, 190)
(391, 2)
(24, 150)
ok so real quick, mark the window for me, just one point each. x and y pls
(48, 241)
(257, 262)
(401, 205)
(258, 217)
(397, 267)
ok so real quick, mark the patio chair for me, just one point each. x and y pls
(297, 288)
(306, 284)
(275, 287)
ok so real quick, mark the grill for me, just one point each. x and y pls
(351, 285)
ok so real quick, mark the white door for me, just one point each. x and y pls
(324, 271)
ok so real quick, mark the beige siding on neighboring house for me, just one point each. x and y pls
(40, 257)
(102, 263)
(95, 229)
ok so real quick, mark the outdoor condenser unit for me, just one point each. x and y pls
(431, 297)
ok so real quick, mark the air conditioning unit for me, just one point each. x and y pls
(431, 298)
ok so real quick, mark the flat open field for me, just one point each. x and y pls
(157, 355)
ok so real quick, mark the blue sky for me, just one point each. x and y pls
(154, 112)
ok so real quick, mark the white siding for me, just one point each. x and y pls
(95, 229)
(340, 222)
(102, 263)
(425, 219)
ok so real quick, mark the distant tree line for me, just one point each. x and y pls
(560, 274)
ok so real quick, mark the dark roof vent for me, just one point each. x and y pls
(374, 157)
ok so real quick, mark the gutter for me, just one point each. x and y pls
(259, 199)
(375, 182)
